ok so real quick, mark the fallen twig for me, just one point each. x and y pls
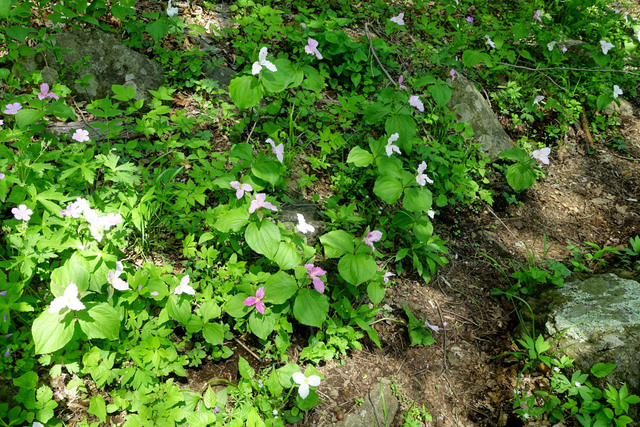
(373, 51)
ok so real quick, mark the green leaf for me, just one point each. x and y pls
(28, 381)
(213, 333)
(376, 112)
(520, 176)
(246, 371)
(209, 398)
(279, 288)
(263, 237)
(209, 310)
(123, 93)
(5, 8)
(242, 151)
(267, 170)
(336, 243)
(441, 93)
(376, 292)
(245, 91)
(357, 269)
(311, 307)
(232, 220)
(27, 116)
(288, 256)
(262, 324)
(471, 58)
(516, 154)
(277, 81)
(50, 334)
(359, 157)
(313, 79)
(406, 128)
(19, 32)
(601, 370)
(179, 308)
(235, 307)
(388, 188)
(100, 321)
(417, 199)
(75, 270)
(98, 407)
(157, 30)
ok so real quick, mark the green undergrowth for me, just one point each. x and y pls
(333, 96)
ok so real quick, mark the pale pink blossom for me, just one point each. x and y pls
(260, 202)
(313, 273)
(372, 236)
(22, 212)
(312, 48)
(414, 100)
(240, 188)
(44, 92)
(399, 19)
(278, 150)
(80, 135)
(542, 155)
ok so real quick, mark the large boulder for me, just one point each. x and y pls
(601, 316)
(471, 107)
(107, 59)
(378, 409)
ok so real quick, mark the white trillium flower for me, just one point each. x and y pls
(262, 62)
(278, 150)
(69, 299)
(391, 147)
(304, 382)
(617, 91)
(184, 287)
(422, 178)
(171, 11)
(303, 226)
(538, 99)
(414, 101)
(113, 277)
(606, 46)
(490, 42)
(551, 45)
(542, 155)
(398, 19)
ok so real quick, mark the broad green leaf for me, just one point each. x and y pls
(245, 91)
(74, 270)
(209, 398)
(359, 157)
(471, 58)
(27, 116)
(51, 332)
(288, 256)
(242, 151)
(5, 8)
(28, 380)
(311, 307)
(388, 188)
(357, 269)
(267, 170)
(406, 128)
(423, 231)
(277, 81)
(516, 154)
(246, 371)
(232, 220)
(376, 112)
(157, 30)
(441, 93)
(262, 324)
(235, 307)
(98, 407)
(520, 176)
(179, 308)
(213, 333)
(376, 292)
(313, 79)
(279, 288)
(100, 321)
(336, 243)
(123, 93)
(19, 32)
(263, 237)
(209, 310)
(417, 199)
(601, 370)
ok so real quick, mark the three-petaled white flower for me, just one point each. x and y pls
(171, 11)
(538, 100)
(240, 188)
(113, 277)
(551, 45)
(542, 155)
(390, 147)
(304, 382)
(312, 48)
(278, 150)
(303, 226)
(616, 91)
(398, 19)
(68, 299)
(490, 42)
(414, 101)
(422, 177)
(184, 287)
(262, 62)
(606, 46)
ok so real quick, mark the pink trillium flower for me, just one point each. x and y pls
(398, 19)
(542, 155)
(7, 353)
(490, 42)
(414, 100)
(400, 81)
(262, 62)
(422, 178)
(3, 293)
(22, 212)
(80, 135)
(184, 287)
(260, 202)
(278, 150)
(551, 45)
(312, 48)
(616, 91)
(606, 46)
(1, 122)
(304, 382)
(390, 147)
(434, 328)
(387, 275)
(257, 300)
(469, 19)
(372, 236)
(313, 273)
(536, 15)
(452, 73)
(44, 92)
(13, 108)
(240, 188)
(2, 176)
(113, 277)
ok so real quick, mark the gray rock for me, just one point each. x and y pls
(602, 317)
(310, 212)
(109, 61)
(624, 109)
(372, 412)
(467, 102)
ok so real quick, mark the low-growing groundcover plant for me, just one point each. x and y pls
(84, 211)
